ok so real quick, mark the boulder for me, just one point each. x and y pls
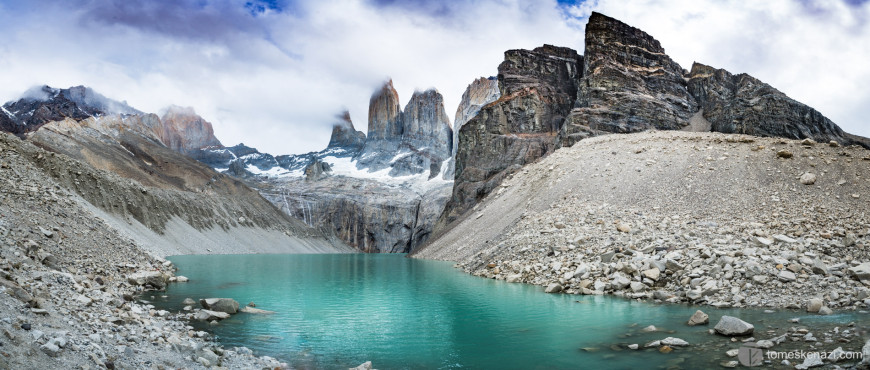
(153, 279)
(50, 348)
(786, 276)
(813, 359)
(652, 274)
(732, 326)
(699, 318)
(619, 282)
(674, 342)
(814, 305)
(808, 178)
(553, 288)
(207, 315)
(227, 305)
(860, 272)
(188, 302)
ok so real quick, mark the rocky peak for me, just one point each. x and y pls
(629, 84)
(185, 131)
(344, 135)
(88, 99)
(385, 114)
(743, 104)
(44, 104)
(425, 123)
(480, 92)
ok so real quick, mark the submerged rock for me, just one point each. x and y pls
(248, 309)
(364, 366)
(208, 315)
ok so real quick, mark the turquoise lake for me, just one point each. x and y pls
(338, 311)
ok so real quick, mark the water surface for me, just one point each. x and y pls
(336, 311)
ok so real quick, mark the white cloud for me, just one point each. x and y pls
(276, 81)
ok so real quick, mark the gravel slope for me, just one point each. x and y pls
(723, 219)
(66, 298)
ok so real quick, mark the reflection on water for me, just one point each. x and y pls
(336, 311)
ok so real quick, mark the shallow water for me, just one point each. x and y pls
(337, 311)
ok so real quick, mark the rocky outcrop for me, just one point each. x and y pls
(44, 104)
(184, 131)
(410, 142)
(624, 83)
(743, 104)
(629, 84)
(425, 124)
(538, 89)
(385, 114)
(345, 136)
(479, 93)
(317, 170)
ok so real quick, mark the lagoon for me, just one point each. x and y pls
(338, 311)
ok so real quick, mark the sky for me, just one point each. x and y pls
(274, 74)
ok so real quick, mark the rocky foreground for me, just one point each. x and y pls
(722, 220)
(678, 217)
(68, 282)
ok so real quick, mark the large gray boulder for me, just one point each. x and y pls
(732, 326)
(153, 279)
(227, 305)
(699, 318)
(860, 272)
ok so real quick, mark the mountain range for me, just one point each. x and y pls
(412, 175)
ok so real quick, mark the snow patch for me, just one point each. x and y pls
(8, 113)
(272, 172)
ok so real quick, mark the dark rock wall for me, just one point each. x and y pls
(625, 82)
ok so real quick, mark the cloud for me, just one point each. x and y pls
(273, 74)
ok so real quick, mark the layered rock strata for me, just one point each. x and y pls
(625, 82)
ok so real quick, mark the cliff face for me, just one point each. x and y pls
(538, 89)
(385, 114)
(479, 93)
(425, 124)
(184, 131)
(629, 84)
(625, 82)
(743, 104)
